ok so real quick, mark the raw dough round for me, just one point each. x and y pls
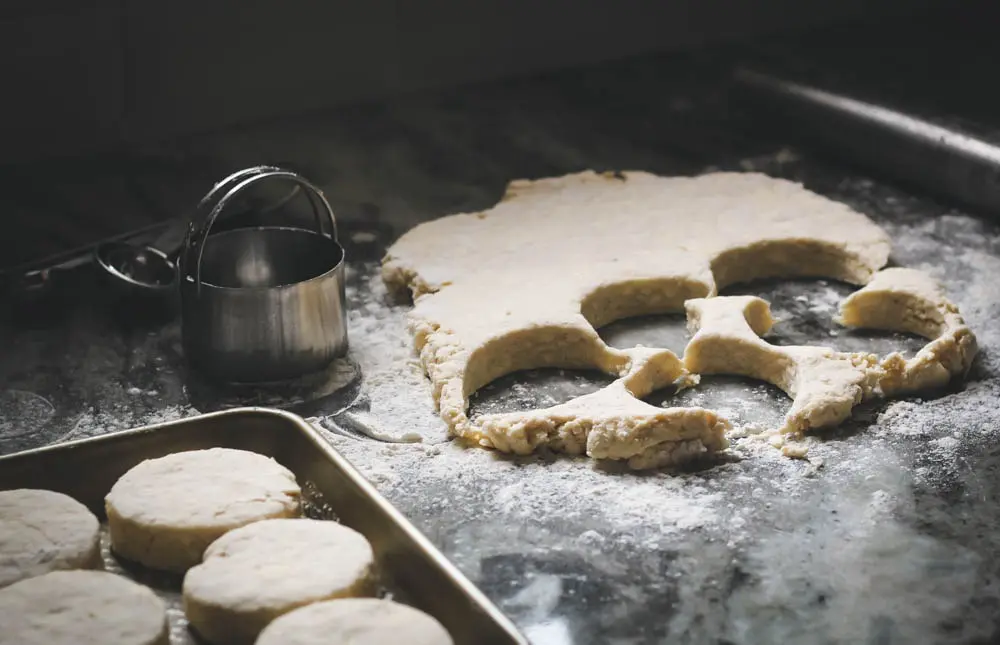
(259, 572)
(165, 512)
(81, 608)
(359, 621)
(43, 531)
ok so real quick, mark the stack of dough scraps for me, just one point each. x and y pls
(527, 283)
(43, 531)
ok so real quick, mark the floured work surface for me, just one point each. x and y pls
(527, 283)
(887, 533)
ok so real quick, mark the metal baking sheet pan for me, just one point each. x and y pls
(411, 569)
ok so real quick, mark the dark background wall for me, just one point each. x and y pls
(79, 77)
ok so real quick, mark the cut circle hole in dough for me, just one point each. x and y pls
(164, 512)
(750, 404)
(43, 531)
(254, 574)
(532, 389)
(81, 608)
(526, 283)
(668, 331)
(806, 313)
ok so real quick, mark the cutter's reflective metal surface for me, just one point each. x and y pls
(264, 303)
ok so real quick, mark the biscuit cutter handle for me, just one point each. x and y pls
(213, 203)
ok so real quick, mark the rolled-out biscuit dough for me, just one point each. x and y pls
(254, 574)
(43, 531)
(358, 621)
(81, 608)
(526, 284)
(163, 513)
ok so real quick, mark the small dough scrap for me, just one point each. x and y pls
(43, 531)
(81, 608)
(911, 301)
(526, 283)
(254, 574)
(163, 513)
(824, 384)
(358, 621)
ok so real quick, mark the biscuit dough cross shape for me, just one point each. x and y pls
(825, 384)
(527, 283)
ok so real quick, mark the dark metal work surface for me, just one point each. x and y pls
(409, 567)
(955, 164)
(887, 534)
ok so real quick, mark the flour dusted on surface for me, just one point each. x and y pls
(532, 488)
(896, 416)
(392, 376)
(93, 422)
